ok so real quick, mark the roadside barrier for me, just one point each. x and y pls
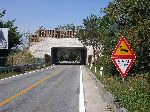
(23, 68)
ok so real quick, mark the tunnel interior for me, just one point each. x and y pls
(68, 55)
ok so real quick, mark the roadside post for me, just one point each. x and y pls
(95, 69)
(123, 57)
(91, 66)
(101, 71)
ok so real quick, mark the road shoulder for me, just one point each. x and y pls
(97, 99)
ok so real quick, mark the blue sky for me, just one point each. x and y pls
(31, 14)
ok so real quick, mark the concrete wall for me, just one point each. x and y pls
(39, 49)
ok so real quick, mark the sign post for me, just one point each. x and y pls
(123, 57)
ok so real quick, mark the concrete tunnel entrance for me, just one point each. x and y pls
(68, 55)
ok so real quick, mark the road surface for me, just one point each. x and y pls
(50, 90)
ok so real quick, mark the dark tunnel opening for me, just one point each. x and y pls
(68, 55)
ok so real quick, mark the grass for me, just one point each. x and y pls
(133, 93)
(7, 74)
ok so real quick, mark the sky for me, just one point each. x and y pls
(31, 14)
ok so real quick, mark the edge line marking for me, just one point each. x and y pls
(7, 100)
(81, 94)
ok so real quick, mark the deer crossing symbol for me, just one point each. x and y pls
(124, 50)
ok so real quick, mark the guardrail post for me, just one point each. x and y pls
(12, 61)
(95, 69)
(101, 71)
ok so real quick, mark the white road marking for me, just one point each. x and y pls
(24, 74)
(81, 94)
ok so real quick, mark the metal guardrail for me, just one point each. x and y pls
(23, 68)
(23, 64)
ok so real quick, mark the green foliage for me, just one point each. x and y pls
(13, 35)
(2, 13)
(132, 94)
(130, 18)
(20, 58)
(65, 55)
(8, 74)
(68, 27)
(89, 35)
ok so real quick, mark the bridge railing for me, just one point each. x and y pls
(24, 65)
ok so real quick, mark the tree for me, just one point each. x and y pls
(88, 35)
(66, 27)
(13, 35)
(133, 19)
(130, 18)
(68, 55)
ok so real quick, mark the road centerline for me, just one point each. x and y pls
(8, 100)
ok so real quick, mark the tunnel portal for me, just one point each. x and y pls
(68, 55)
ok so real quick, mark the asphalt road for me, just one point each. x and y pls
(51, 90)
